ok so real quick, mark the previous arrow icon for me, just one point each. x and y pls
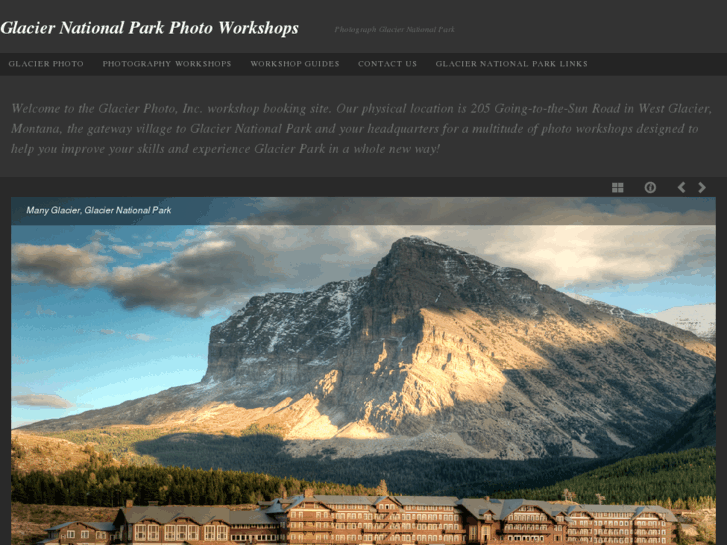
(681, 187)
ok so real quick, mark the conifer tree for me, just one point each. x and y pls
(381, 489)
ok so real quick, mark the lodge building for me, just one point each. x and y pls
(311, 519)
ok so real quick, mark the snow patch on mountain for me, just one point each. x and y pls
(699, 319)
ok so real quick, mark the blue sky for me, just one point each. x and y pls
(104, 313)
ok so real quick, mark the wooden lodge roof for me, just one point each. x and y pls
(200, 514)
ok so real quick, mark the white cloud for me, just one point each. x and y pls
(42, 400)
(64, 264)
(171, 244)
(224, 265)
(463, 211)
(126, 250)
(561, 256)
(99, 236)
(140, 337)
(40, 311)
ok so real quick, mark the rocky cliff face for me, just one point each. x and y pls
(436, 350)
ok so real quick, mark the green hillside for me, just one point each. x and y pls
(660, 478)
(107, 486)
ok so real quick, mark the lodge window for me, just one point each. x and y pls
(209, 533)
(71, 533)
(169, 532)
(192, 532)
(153, 532)
(140, 531)
(100, 535)
(181, 533)
(222, 533)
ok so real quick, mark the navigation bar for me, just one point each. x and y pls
(356, 64)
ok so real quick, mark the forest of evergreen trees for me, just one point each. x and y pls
(680, 480)
(103, 485)
(685, 476)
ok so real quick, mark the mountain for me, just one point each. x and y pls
(699, 319)
(435, 350)
(664, 323)
(696, 428)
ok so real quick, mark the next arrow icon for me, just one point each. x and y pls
(702, 187)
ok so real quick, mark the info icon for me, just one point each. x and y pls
(650, 187)
(617, 187)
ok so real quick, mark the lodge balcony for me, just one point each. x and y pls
(304, 540)
(533, 529)
(319, 517)
(386, 541)
(393, 527)
(388, 517)
(396, 527)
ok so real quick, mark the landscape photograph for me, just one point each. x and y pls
(258, 369)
